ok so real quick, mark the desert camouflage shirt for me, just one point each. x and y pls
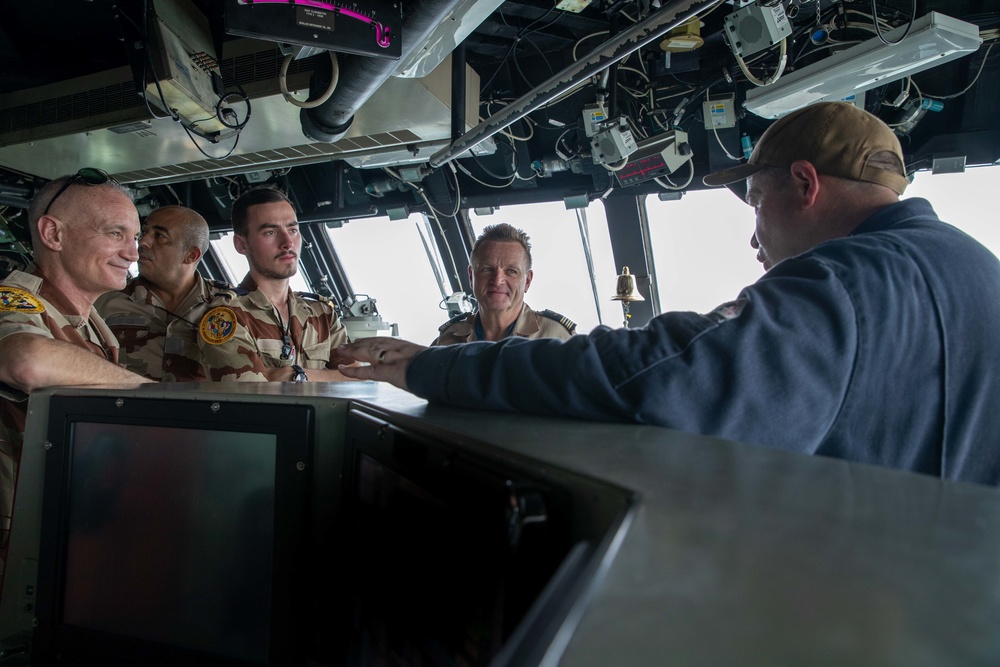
(529, 324)
(26, 307)
(242, 338)
(155, 342)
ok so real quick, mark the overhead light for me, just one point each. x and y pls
(933, 40)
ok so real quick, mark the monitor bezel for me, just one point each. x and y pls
(293, 426)
(599, 513)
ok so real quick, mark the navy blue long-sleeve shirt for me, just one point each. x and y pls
(881, 347)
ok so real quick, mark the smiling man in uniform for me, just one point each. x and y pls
(83, 236)
(500, 273)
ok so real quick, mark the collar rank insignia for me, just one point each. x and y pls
(17, 300)
(218, 326)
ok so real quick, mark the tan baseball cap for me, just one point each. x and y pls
(838, 138)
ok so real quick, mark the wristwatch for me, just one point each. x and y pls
(299, 375)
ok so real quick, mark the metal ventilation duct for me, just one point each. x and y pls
(361, 77)
(100, 120)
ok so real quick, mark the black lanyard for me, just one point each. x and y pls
(287, 349)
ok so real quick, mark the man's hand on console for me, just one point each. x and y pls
(388, 358)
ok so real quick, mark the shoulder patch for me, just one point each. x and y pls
(565, 321)
(728, 311)
(17, 300)
(455, 320)
(218, 326)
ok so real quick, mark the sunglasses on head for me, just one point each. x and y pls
(86, 176)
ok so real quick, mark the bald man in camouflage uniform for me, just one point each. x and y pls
(156, 317)
(500, 273)
(83, 230)
(268, 332)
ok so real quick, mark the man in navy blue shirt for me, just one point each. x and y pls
(872, 336)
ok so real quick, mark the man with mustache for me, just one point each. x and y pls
(156, 317)
(872, 337)
(268, 332)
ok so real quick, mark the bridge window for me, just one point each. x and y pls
(388, 261)
(963, 200)
(701, 246)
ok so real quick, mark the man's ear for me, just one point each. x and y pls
(806, 181)
(240, 243)
(51, 232)
(192, 256)
(527, 280)
(470, 274)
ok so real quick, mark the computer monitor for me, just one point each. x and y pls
(457, 554)
(173, 532)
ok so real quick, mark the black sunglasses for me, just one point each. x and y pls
(87, 176)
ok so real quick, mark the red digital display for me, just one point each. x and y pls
(643, 169)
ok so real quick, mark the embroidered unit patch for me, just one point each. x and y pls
(218, 325)
(728, 311)
(17, 300)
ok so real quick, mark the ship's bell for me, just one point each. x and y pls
(626, 290)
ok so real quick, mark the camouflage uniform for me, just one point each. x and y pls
(529, 324)
(26, 307)
(242, 338)
(155, 342)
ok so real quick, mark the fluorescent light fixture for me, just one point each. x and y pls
(933, 40)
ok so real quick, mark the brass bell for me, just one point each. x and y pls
(626, 290)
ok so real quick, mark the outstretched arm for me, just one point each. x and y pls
(29, 362)
(389, 359)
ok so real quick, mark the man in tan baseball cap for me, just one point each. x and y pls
(837, 137)
(871, 338)
(815, 175)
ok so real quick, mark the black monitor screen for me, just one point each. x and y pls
(460, 557)
(169, 532)
(172, 537)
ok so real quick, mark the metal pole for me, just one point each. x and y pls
(458, 91)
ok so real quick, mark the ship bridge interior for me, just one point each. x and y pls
(444, 110)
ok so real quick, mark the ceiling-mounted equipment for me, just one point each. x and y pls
(613, 143)
(156, 151)
(187, 79)
(756, 27)
(465, 16)
(719, 112)
(371, 29)
(683, 38)
(932, 40)
(573, 6)
(657, 156)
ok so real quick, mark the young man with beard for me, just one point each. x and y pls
(269, 332)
